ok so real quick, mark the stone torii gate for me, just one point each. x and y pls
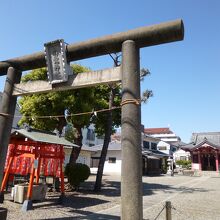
(129, 43)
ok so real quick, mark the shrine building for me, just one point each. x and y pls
(205, 151)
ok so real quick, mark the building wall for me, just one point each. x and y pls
(167, 137)
(181, 155)
(149, 144)
(84, 156)
(195, 166)
(110, 165)
(163, 147)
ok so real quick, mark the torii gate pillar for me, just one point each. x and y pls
(6, 118)
(131, 173)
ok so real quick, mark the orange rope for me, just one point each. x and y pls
(131, 101)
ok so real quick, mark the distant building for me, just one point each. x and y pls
(164, 134)
(153, 160)
(91, 157)
(168, 143)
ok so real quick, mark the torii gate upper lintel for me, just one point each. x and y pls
(129, 43)
(144, 37)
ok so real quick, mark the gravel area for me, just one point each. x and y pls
(191, 197)
(78, 204)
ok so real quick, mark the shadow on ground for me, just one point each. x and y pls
(113, 188)
(86, 215)
(90, 216)
(86, 198)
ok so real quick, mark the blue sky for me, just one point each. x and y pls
(184, 76)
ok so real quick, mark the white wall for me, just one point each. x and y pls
(195, 166)
(84, 158)
(167, 137)
(181, 153)
(164, 144)
(111, 167)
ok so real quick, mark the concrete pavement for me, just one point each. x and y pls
(192, 198)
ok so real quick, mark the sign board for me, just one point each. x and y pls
(58, 68)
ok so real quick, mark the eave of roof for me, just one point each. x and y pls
(42, 136)
(113, 146)
(155, 153)
(192, 146)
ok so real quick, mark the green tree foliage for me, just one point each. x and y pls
(70, 133)
(77, 173)
(57, 104)
(101, 95)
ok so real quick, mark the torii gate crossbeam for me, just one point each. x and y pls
(144, 37)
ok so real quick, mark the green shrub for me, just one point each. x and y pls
(164, 167)
(184, 163)
(77, 173)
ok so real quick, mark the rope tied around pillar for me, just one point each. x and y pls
(5, 114)
(131, 101)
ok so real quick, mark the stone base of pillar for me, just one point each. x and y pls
(3, 213)
(62, 198)
(27, 205)
(2, 197)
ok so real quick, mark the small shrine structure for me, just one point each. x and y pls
(35, 153)
(205, 151)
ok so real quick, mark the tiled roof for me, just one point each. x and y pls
(187, 146)
(42, 136)
(154, 153)
(178, 143)
(213, 137)
(151, 139)
(157, 131)
(114, 145)
(198, 139)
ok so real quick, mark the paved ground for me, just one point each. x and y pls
(193, 198)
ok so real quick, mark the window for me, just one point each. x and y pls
(162, 148)
(112, 159)
(95, 161)
(173, 149)
(153, 146)
(146, 144)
